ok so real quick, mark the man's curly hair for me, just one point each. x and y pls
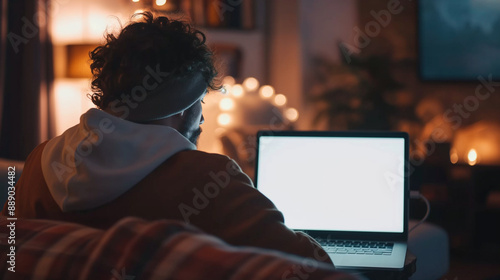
(120, 64)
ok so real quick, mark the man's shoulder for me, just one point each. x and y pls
(202, 157)
(38, 150)
(201, 162)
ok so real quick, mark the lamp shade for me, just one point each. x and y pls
(78, 61)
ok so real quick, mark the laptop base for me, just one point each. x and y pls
(356, 261)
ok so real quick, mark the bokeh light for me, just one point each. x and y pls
(266, 91)
(453, 156)
(291, 114)
(251, 84)
(224, 119)
(226, 104)
(237, 90)
(228, 80)
(472, 157)
(280, 99)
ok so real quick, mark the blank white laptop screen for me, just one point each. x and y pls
(334, 183)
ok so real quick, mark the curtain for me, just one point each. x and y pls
(3, 36)
(26, 75)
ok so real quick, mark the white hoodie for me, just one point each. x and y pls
(103, 156)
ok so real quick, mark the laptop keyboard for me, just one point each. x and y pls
(356, 247)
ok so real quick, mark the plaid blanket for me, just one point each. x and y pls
(136, 249)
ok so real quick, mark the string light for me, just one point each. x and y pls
(291, 114)
(266, 91)
(135, 1)
(251, 84)
(161, 2)
(224, 119)
(226, 104)
(228, 80)
(280, 100)
(237, 90)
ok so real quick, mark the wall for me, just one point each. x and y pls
(473, 122)
(401, 36)
(298, 31)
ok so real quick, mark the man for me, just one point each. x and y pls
(137, 156)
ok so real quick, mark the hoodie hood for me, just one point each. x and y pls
(103, 156)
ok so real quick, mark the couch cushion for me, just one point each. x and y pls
(429, 243)
(137, 249)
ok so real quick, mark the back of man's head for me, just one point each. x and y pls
(152, 56)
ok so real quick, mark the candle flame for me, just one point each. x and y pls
(472, 157)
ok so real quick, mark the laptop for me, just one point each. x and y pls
(347, 190)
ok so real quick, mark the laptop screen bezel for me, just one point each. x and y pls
(396, 236)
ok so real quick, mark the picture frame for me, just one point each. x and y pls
(458, 40)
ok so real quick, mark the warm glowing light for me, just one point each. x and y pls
(292, 114)
(226, 104)
(161, 2)
(96, 22)
(66, 30)
(251, 84)
(70, 25)
(228, 80)
(138, 11)
(219, 131)
(472, 157)
(453, 156)
(237, 90)
(69, 91)
(280, 99)
(266, 91)
(224, 119)
(135, 1)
